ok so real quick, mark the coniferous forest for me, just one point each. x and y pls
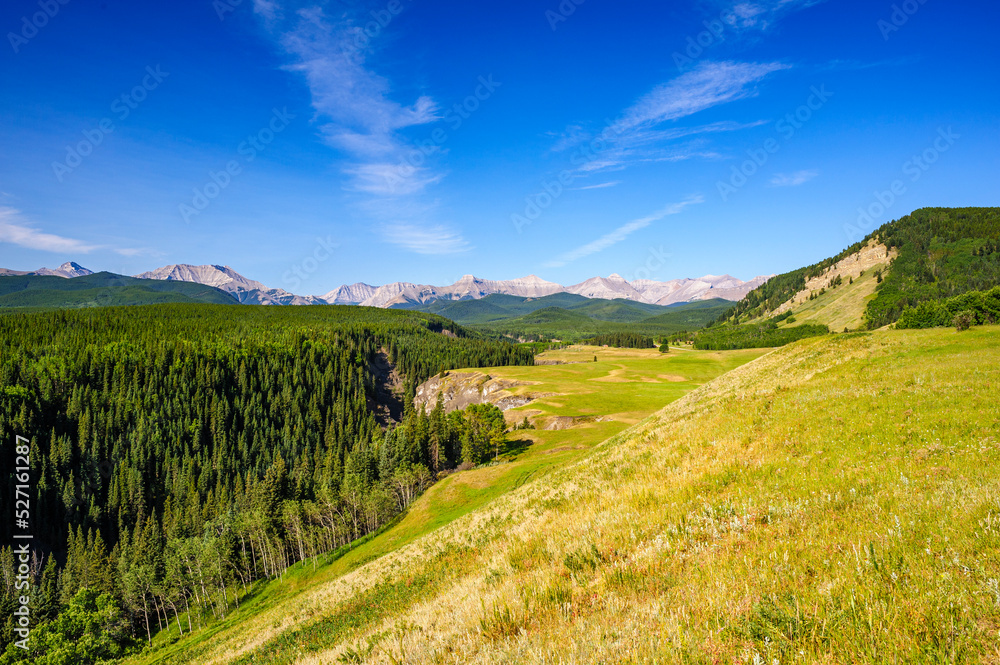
(179, 453)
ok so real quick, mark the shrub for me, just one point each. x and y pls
(964, 320)
(975, 308)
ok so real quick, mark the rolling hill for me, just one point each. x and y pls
(597, 317)
(102, 289)
(572, 316)
(499, 307)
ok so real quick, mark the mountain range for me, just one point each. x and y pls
(245, 291)
(68, 269)
(469, 287)
(613, 287)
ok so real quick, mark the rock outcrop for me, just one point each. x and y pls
(461, 389)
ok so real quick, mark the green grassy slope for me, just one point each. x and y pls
(606, 397)
(835, 501)
(103, 289)
(839, 308)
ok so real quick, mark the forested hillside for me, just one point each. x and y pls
(102, 289)
(942, 252)
(181, 452)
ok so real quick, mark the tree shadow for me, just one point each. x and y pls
(515, 448)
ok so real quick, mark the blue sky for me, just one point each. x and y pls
(312, 144)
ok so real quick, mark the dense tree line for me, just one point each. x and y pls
(749, 336)
(622, 340)
(968, 309)
(180, 453)
(943, 252)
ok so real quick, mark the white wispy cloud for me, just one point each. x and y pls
(760, 15)
(571, 137)
(137, 251)
(358, 113)
(603, 185)
(352, 102)
(621, 233)
(646, 131)
(15, 230)
(707, 85)
(388, 179)
(432, 240)
(793, 179)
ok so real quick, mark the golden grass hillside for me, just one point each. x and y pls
(834, 501)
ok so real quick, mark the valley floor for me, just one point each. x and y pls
(835, 501)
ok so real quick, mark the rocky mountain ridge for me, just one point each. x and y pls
(469, 287)
(612, 287)
(69, 269)
(245, 291)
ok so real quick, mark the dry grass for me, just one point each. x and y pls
(835, 501)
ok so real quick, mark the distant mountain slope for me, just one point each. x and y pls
(582, 320)
(468, 287)
(499, 307)
(606, 288)
(101, 289)
(613, 310)
(350, 294)
(613, 287)
(689, 316)
(556, 316)
(67, 270)
(245, 291)
(409, 295)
